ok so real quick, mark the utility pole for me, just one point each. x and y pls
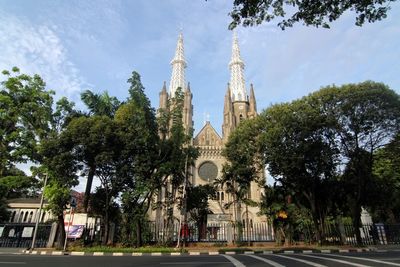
(39, 215)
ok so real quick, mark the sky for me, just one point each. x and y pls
(77, 45)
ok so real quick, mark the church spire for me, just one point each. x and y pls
(236, 65)
(178, 68)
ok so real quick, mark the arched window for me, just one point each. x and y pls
(21, 216)
(251, 223)
(30, 216)
(26, 217)
(222, 196)
(44, 214)
(244, 223)
(240, 117)
(12, 218)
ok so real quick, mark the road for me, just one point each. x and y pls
(388, 258)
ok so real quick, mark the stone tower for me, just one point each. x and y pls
(178, 64)
(238, 106)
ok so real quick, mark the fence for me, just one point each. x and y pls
(216, 232)
(371, 234)
(20, 235)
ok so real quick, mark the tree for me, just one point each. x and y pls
(137, 130)
(58, 163)
(176, 156)
(297, 143)
(197, 206)
(98, 105)
(310, 13)
(367, 117)
(287, 214)
(108, 210)
(61, 167)
(25, 116)
(242, 168)
(97, 149)
(386, 172)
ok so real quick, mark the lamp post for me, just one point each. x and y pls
(39, 215)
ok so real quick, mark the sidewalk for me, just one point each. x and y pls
(11, 250)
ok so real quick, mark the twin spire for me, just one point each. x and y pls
(236, 66)
(178, 68)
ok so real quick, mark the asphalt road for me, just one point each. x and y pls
(389, 258)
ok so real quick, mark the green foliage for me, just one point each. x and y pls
(4, 213)
(197, 202)
(100, 104)
(310, 13)
(308, 143)
(288, 217)
(386, 173)
(25, 113)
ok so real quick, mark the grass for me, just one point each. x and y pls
(106, 249)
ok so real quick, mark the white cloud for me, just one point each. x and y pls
(38, 50)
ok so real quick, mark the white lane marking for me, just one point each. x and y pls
(273, 263)
(12, 262)
(234, 261)
(193, 262)
(365, 259)
(336, 260)
(300, 260)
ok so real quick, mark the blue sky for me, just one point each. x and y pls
(79, 45)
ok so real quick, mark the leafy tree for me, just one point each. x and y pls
(4, 213)
(197, 205)
(108, 210)
(367, 117)
(98, 105)
(176, 156)
(25, 115)
(137, 130)
(58, 163)
(310, 13)
(61, 167)
(96, 138)
(386, 171)
(287, 214)
(297, 142)
(243, 167)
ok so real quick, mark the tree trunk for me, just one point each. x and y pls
(89, 182)
(139, 241)
(317, 224)
(356, 218)
(60, 232)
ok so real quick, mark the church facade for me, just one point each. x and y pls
(238, 106)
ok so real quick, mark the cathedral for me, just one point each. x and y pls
(238, 106)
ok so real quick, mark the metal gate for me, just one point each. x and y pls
(20, 235)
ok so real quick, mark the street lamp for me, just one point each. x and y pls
(40, 213)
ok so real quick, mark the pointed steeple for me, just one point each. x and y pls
(228, 101)
(163, 97)
(236, 66)
(178, 64)
(252, 102)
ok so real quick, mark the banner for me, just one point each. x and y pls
(74, 231)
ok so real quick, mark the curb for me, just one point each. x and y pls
(197, 253)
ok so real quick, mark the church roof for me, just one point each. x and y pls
(207, 136)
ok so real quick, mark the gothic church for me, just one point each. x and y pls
(238, 106)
